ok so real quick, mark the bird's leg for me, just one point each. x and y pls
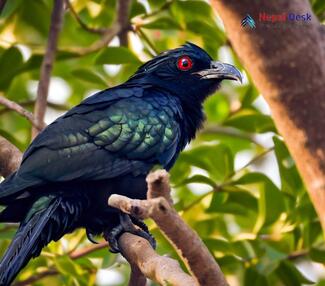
(126, 225)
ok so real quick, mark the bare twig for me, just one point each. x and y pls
(123, 7)
(47, 64)
(11, 105)
(101, 43)
(297, 254)
(152, 49)
(31, 103)
(251, 162)
(81, 23)
(187, 243)
(228, 131)
(86, 250)
(164, 7)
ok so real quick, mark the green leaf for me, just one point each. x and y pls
(199, 179)
(89, 76)
(211, 32)
(290, 179)
(156, 4)
(137, 9)
(319, 8)
(239, 203)
(244, 249)
(163, 23)
(247, 95)
(254, 278)
(251, 121)
(218, 245)
(10, 62)
(230, 264)
(290, 275)
(317, 254)
(269, 259)
(218, 200)
(242, 197)
(10, 8)
(180, 171)
(37, 15)
(193, 10)
(217, 108)
(66, 266)
(116, 55)
(217, 160)
(270, 201)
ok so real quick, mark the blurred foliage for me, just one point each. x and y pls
(236, 185)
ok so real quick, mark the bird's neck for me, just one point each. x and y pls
(193, 119)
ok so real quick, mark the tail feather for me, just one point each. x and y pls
(27, 243)
(49, 219)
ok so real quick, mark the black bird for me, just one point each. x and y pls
(107, 144)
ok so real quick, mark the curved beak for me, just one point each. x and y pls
(220, 71)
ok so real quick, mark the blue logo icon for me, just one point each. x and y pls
(248, 21)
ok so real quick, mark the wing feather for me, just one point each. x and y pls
(129, 135)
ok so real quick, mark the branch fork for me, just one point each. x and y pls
(200, 263)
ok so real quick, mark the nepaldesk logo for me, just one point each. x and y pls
(266, 19)
(248, 21)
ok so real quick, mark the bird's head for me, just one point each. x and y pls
(188, 72)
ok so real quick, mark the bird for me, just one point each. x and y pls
(106, 145)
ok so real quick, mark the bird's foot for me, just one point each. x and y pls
(127, 225)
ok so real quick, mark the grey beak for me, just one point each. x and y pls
(221, 71)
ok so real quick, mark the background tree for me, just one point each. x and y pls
(237, 184)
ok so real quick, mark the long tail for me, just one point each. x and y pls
(49, 219)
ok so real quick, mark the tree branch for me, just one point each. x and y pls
(189, 246)
(10, 157)
(123, 19)
(11, 105)
(136, 277)
(47, 64)
(161, 269)
(291, 80)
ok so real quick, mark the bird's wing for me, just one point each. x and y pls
(90, 142)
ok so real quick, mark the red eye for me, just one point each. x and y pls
(184, 63)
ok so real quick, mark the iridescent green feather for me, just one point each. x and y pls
(137, 130)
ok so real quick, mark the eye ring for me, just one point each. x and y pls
(184, 63)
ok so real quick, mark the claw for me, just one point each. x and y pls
(127, 225)
(113, 237)
(90, 236)
(145, 229)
